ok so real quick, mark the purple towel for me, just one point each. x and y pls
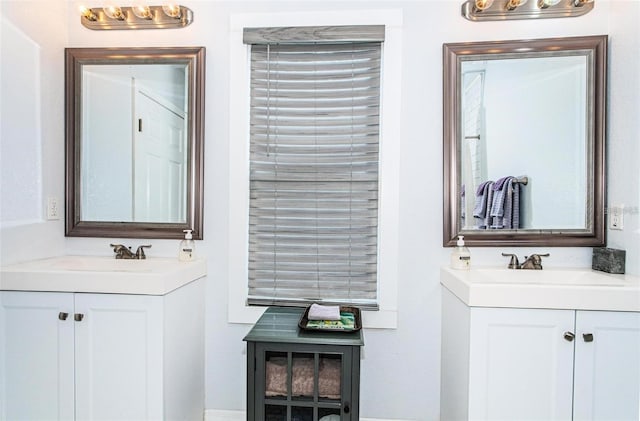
(497, 205)
(505, 208)
(499, 184)
(480, 206)
(516, 206)
(511, 216)
(481, 187)
(484, 196)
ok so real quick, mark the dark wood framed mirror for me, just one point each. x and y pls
(524, 142)
(134, 141)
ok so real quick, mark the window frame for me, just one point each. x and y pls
(390, 137)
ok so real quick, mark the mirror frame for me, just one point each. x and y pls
(595, 47)
(75, 58)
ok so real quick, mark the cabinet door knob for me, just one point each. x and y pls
(78, 317)
(62, 315)
(346, 408)
(569, 336)
(588, 337)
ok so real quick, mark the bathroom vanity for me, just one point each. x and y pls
(98, 338)
(550, 344)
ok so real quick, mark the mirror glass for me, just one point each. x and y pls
(524, 136)
(134, 142)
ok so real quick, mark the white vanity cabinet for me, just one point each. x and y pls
(538, 364)
(83, 356)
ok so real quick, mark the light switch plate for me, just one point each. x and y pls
(53, 210)
(616, 217)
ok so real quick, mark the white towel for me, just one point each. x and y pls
(319, 312)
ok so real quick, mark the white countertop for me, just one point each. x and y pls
(579, 289)
(98, 274)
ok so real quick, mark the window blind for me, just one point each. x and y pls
(315, 111)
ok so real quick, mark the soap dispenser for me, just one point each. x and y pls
(187, 251)
(460, 255)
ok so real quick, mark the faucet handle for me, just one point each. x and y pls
(140, 251)
(536, 257)
(534, 261)
(121, 251)
(513, 263)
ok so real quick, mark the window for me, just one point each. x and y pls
(314, 149)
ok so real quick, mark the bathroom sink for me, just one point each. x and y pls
(101, 274)
(582, 289)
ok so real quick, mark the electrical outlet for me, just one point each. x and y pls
(53, 211)
(616, 217)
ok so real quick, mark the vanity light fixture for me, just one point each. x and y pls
(139, 16)
(479, 10)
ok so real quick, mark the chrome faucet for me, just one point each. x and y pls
(123, 252)
(530, 262)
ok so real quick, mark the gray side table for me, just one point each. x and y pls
(296, 375)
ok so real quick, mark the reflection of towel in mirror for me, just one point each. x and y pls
(512, 206)
(484, 197)
(505, 207)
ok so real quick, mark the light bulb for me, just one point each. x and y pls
(142, 11)
(483, 4)
(513, 4)
(114, 12)
(172, 10)
(88, 14)
(543, 4)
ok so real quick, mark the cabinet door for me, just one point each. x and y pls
(118, 357)
(36, 356)
(520, 364)
(607, 366)
(303, 382)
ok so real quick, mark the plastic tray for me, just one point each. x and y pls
(302, 324)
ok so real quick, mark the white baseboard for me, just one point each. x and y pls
(222, 415)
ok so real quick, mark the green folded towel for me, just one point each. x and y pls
(347, 322)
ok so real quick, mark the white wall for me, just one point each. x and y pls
(32, 119)
(401, 367)
(623, 147)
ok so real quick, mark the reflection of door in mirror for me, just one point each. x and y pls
(527, 117)
(159, 161)
(134, 172)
